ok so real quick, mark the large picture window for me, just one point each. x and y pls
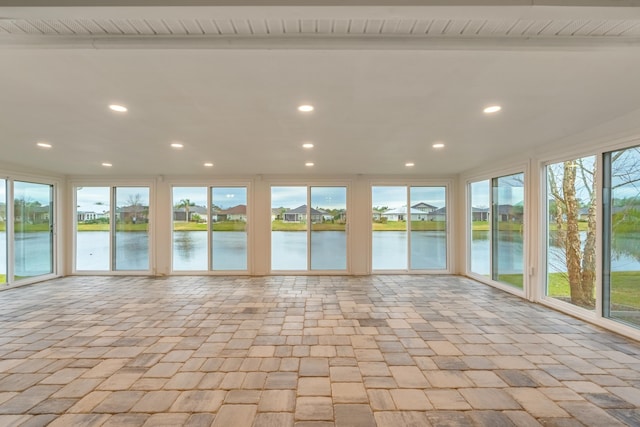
(209, 228)
(308, 228)
(571, 231)
(621, 278)
(409, 228)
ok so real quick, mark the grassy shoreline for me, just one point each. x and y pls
(289, 226)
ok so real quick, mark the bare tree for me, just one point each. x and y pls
(134, 201)
(565, 189)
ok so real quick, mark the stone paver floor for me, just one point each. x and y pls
(304, 351)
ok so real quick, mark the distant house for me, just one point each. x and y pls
(439, 214)
(91, 215)
(400, 214)
(510, 213)
(276, 213)
(179, 214)
(134, 214)
(299, 214)
(424, 207)
(235, 213)
(41, 214)
(479, 214)
(326, 216)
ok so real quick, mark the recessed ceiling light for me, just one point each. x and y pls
(118, 108)
(44, 145)
(305, 108)
(309, 164)
(176, 145)
(409, 164)
(107, 165)
(438, 145)
(492, 109)
(307, 145)
(208, 164)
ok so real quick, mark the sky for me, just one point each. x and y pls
(396, 197)
(223, 197)
(31, 192)
(321, 197)
(97, 199)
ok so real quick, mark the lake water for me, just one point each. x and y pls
(289, 249)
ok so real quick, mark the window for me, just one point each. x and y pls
(507, 230)
(571, 231)
(480, 248)
(131, 239)
(225, 221)
(189, 218)
(496, 229)
(328, 228)
(229, 230)
(308, 228)
(32, 229)
(93, 221)
(621, 270)
(413, 238)
(3, 231)
(112, 229)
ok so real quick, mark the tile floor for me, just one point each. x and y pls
(304, 351)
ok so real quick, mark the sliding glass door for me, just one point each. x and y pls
(480, 229)
(621, 278)
(507, 230)
(496, 229)
(32, 229)
(3, 232)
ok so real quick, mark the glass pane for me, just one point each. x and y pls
(507, 230)
(480, 245)
(189, 228)
(3, 231)
(328, 228)
(624, 298)
(389, 228)
(33, 231)
(288, 228)
(571, 231)
(428, 228)
(92, 228)
(229, 228)
(132, 228)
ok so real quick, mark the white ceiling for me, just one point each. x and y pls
(386, 84)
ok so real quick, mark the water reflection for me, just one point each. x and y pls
(190, 247)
